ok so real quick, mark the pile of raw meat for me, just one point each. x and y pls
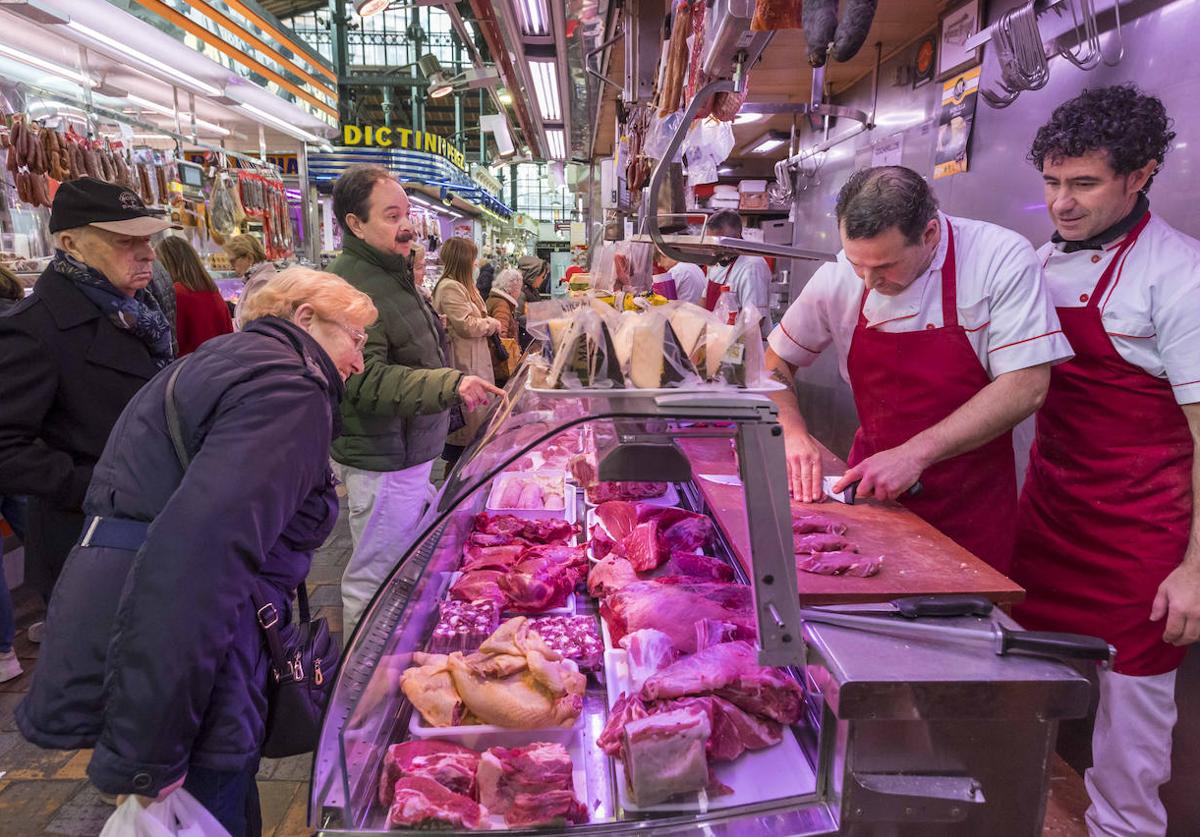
(821, 547)
(515, 680)
(530, 492)
(523, 566)
(602, 492)
(649, 536)
(437, 784)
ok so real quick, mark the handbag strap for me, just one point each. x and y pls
(174, 426)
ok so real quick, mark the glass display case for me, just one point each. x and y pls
(656, 684)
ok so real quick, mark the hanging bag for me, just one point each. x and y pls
(303, 660)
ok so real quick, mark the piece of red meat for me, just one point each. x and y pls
(610, 575)
(499, 524)
(488, 539)
(556, 808)
(734, 731)
(840, 563)
(534, 592)
(674, 609)
(525, 785)
(819, 542)
(768, 693)
(540, 531)
(490, 557)
(617, 518)
(649, 651)
(807, 523)
(711, 632)
(570, 556)
(602, 492)
(450, 765)
(626, 708)
(602, 545)
(686, 535)
(641, 547)
(422, 802)
(697, 566)
(548, 531)
(479, 585)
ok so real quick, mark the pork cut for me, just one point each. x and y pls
(479, 585)
(697, 566)
(450, 765)
(540, 531)
(713, 632)
(628, 707)
(602, 492)
(665, 755)
(477, 557)
(674, 609)
(819, 542)
(609, 576)
(807, 523)
(575, 637)
(648, 651)
(420, 802)
(617, 518)
(530, 786)
(840, 563)
(641, 547)
(734, 730)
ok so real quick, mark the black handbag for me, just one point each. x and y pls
(304, 657)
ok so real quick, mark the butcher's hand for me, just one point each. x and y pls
(146, 801)
(1178, 600)
(884, 476)
(475, 392)
(804, 466)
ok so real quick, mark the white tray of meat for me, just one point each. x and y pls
(536, 494)
(654, 493)
(777, 771)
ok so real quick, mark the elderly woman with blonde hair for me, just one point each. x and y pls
(502, 305)
(249, 260)
(153, 654)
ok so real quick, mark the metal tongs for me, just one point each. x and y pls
(991, 634)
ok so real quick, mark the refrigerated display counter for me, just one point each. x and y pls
(571, 645)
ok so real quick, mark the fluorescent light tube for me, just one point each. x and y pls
(276, 122)
(768, 142)
(47, 66)
(127, 52)
(557, 142)
(747, 118)
(545, 86)
(534, 16)
(183, 117)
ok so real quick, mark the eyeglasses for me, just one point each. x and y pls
(359, 337)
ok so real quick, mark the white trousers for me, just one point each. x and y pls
(385, 508)
(1131, 755)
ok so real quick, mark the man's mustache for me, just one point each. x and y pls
(404, 237)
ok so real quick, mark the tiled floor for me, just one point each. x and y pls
(47, 792)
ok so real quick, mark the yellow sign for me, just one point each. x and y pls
(405, 138)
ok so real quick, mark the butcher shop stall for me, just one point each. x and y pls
(601, 629)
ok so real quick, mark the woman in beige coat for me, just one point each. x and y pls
(468, 326)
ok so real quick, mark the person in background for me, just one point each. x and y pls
(487, 273)
(175, 555)
(687, 279)
(748, 277)
(1108, 528)
(945, 333)
(396, 413)
(12, 510)
(162, 288)
(457, 299)
(11, 289)
(577, 266)
(418, 269)
(249, 260)
(200, 312)
(534, 271)
(502, 305)
(72, 354)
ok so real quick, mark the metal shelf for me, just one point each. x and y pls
(710, 248)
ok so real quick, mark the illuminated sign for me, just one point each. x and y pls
(404, 138)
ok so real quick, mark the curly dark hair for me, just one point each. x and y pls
(1131, 126)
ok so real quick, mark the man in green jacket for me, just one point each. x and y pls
(396, 413)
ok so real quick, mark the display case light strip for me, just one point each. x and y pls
(534, 16)
(128, 52)
(47, 66)
(183, 117)
(545, 85)
(287, 128)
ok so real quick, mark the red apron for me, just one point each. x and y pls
(713, 290)
(906, 382)
(1106, 509)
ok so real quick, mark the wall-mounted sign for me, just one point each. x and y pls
(955, 121)
(403, 138)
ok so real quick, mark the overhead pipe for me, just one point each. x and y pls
(866, 123)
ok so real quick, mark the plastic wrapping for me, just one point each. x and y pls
(722, 352)
(580, 353)
(708, 144)
(622, 266)
(658, 137)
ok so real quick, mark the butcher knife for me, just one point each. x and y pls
(915, 607)
(847, 494)
(1000, 639)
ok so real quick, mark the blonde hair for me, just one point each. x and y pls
(246, 246)
(418, 258)
(331, 296)
(458, 260)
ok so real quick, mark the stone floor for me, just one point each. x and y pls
(47, 792)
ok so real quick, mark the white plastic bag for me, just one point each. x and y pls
(179, 815)
(707, 145)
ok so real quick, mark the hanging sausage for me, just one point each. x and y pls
(820, 28)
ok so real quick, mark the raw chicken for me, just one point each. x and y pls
(806, 523)
(421, 803)
(531, 497)
(648, 651)
(510, 497)
(697, 566)
(610, 575)
(450, 765)
(429, 687)
(840, 563)
(818, 542)
(526, 785)
(675, 608)
(665, 755)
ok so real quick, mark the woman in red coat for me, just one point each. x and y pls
(200, 312)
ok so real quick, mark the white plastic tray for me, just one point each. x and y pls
(567, 512)
(778, 772)
(670, 498)
(567, 609)
(481, 736)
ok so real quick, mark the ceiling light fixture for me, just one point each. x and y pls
(747, 118)
(545, 87)
(46, 66)
(556, 139)
(280, 124)
(133, 57)
(366, 8)
(183, 117)
(534, 16)
(767, 142)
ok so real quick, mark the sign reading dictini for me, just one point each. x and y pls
(370, 136)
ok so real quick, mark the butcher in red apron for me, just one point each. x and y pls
(1105, 540)
(945, 335)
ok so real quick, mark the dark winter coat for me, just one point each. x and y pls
(66, 373)
(487, 275)
(155, 658)
(395, 415)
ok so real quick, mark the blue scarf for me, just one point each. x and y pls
(139, 314)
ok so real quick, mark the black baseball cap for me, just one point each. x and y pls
(88, 202)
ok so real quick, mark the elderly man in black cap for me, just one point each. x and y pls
(72, 354)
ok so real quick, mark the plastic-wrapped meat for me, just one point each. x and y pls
(575, 637)
(479, 585)
(697, 566)
(649, 651)
(530, 786)
(450, 765)
(819, 542)
(808, 523)
(675, 608)
(665, 755)
(463, 626)
(610, 575)
(421, 802)
(602, 492)
(491, 557)
(840, 563)
(641, 547)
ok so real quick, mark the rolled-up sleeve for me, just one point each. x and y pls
(805, 332)
(1177, 322)
(1023, 328)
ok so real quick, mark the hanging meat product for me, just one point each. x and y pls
(770, 15)
(820, 28)
(852, 31)
(671, 95)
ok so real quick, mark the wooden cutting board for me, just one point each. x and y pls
(917, 559)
